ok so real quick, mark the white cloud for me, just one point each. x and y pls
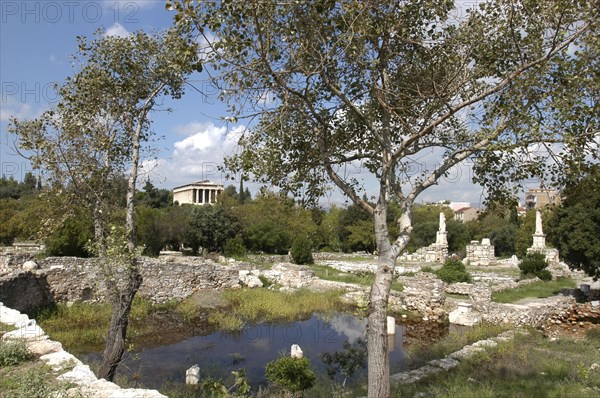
(55, 60)
(196, 157)
(11, 107)
(117, 30)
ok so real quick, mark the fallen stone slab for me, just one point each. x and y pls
(11, 317)
(80, 374)
(31, 332)
(43, 347)
(465, 352)
(444, 363)
(485, 343)
(414, 375)
(60, 360)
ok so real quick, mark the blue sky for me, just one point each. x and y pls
(36, 39)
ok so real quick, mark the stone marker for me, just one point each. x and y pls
(192, 375)
(464, 315)
(296, 351)
(391, 325)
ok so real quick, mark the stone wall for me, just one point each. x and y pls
(70, 279)
(480, 253)
(534, 314)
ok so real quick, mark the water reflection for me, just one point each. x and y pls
(219, 353)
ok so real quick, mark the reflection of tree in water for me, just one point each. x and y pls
(347, 361)
(422, 332)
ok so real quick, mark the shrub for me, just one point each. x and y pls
(453, 271)
(234, 247)
(293, 374)
(13, 352)
(302, 250)
(534, 265)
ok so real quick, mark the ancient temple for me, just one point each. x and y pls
(198, 193)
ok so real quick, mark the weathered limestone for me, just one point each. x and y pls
(296, 351)
(480, 253)
(556, 268)
(290, 275)
(250, 278)
(192, 375)
(72, 279)
(534, 313)
(465, 315)
(72, 369)
(436, 252)
(30, 265)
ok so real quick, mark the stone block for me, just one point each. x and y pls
(444, 363)
(30, 332)
(43, 347)
(60, 360)
(465, 353)
(81, 375)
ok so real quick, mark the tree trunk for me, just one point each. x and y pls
(377, 343)
(117, 331)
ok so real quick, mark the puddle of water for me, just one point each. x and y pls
(218, 354)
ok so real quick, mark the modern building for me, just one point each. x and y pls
(466, 214)
(537, 198)
(198, 193)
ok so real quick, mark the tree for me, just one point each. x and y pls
(94, 135)
(209, 228)
(379, 84)
(574, 227)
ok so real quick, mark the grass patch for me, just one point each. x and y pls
(263, 305)
(83, 326)
(33, 380)
(364, 278)
(419, 354)
(5, 327)
(540, 289)
(456, 296)
(528, 366)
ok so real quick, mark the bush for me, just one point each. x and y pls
(534, 265)
(453, 271)
(13, 352)
(234, 247)
(293, 374)
(302, 250)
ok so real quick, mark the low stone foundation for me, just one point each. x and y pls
(72, 369)
(71, 279)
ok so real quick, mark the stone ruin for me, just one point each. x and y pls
(480, 253)
(436, 252)
(555, 267)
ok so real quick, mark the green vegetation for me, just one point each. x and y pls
(534, 265)
(13, 352)
(537, 289)
(574, 226)
(418, 355)
(528, 366)
(263, 305)
(301, 251)
(453, 271)
(293, 374)
(84, 325)
(360, 278)
(32, 381)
